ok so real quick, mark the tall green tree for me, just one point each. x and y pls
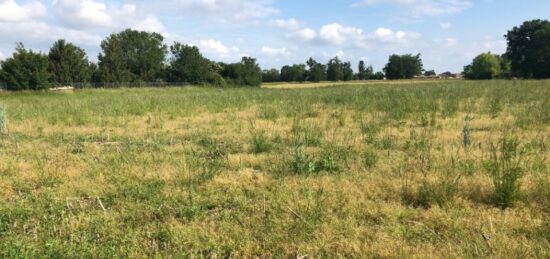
(132, 56)
(271, 75)
(294, 73)
(316, 72)
(529, 49)
(245, 73)
(485, 66)
(347, 71)
(335, 70)
(26, 70)
(365, 73)
(362, 74)
(403, 66)
(188, 65)
(68, 64)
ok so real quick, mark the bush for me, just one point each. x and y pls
(505, 168)
(260, 143)
(370, 158)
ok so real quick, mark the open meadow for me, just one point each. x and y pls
(383, 170)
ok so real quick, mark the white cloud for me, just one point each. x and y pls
(235, 9)
(419, 8)
(10, 11)
(447, 43)
(44, 32)
(275, 52)
(217, 48)
(2, 57)
(303, 35)
(445, 25)
(386, 35)
(90, 14)
(290, 24)
(338, 34)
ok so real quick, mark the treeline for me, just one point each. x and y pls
(126, 57)
(527, 55)
(132, 57)
(398, 67)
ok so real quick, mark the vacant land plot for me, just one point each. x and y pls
(439, 169)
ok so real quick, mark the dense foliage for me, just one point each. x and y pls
(26, 70)
(68, 64)
(529, 49)
(132, 56)
(486, 66)
(403, 66)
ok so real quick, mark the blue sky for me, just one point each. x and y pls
(448, 33)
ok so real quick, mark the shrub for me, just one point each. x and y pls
(370, 158)
(260, 143)
(505, 168)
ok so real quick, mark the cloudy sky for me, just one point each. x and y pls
(448, 33)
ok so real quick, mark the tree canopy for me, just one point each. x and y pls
(403, 66)
(68, 64)
(132, 56)
(26, 70)
(188, 65)
(529, 49)
(335, 70)
(484, 66)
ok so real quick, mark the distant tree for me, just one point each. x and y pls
(68, 64)
(335, 70)
(430, 73)
(347, 71)
(294, 73)
(26, 70)
(132, 56)
(316, 72)
(484, 66)
(378, 76)
(403, 67)
(529, 49)
(245, 73)
(95, 73)
(362, 74)
(271, 75)
(187, 64)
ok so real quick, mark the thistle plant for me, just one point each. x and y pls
(3, 121)
(467, 131)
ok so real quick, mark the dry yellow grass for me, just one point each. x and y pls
(180, 175)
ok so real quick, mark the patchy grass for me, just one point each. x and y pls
(377, 169)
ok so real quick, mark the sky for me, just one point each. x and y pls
(447, 33)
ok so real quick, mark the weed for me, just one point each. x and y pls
(370, 158)
(260, 143)
(467, 132)
(3, 121)
(505, 168)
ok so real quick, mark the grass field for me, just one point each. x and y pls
(431, 169)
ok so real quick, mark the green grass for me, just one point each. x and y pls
(377, 169)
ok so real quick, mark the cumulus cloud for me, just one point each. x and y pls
(338, 34)
(2, 57)
(235, 9)
(10, 11)
(290, 24)
(303, 35)
(275, 52)
(90, 14)
(217, 48)
(419, 8)
(386, 35)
